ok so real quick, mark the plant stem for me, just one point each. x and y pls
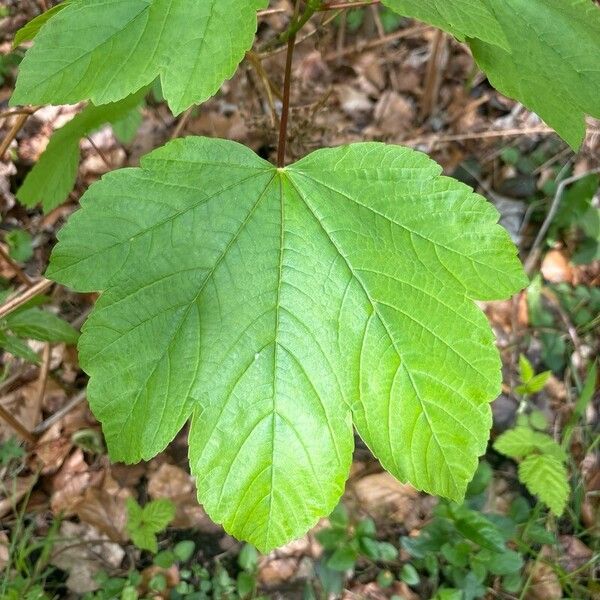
(290, 35)
(345, 5)
(285, 109)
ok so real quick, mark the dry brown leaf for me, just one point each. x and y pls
(4, 550)
(575, 553)
(13, 491)
(79, 552)
(106, 512)
(51, 450)
(556, 267)
(381, 495)
(169, 481)
(277, 571)
(70, 483)
(544, 583)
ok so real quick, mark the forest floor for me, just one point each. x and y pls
(367, 75)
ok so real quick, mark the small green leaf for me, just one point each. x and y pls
(20, 245)
(366, 527)
(144, 539)
(16, 347)
(538, 420)
(343, 559)
(157, 514)
(52, 178)
(501, 563)
(526, 371)
(31, 29)
(385, 579)
(409, 575)
(386, 551)
(547, 478)
(537, 382)
(184, 550)
(37, 324)
(246, 583)
(165, 559)
(522, 441)
(475, 527)
(248, 558)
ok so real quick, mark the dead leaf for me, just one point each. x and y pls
(106, 512)
(575, 553)
(544, 582)
(556, 267)
(13, 491)
(79, 552)
(381, 495)
(277, 571)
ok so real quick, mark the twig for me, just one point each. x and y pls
(43, 376)
(38, 288)
(17, 425)
(474, 135)
(19, 273)
(347, 5)
(392, 37)
(539, 240)
(99, 151)
(268, 86)
(12, 133)
(61, 412)
(433, 75)
(182, 122)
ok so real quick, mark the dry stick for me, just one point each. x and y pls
(537, 244)
(346, 5)
(17, 425)
(12, 133)
(433, 76)
(60, 413)
(19, 273)
(38, 288)
(182, 122)
(256, 63)
(461, 137)
(43, 376)
(268, 53)
(392, 37)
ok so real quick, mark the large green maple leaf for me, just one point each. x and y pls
(543, 53)
(279, 307)
(103, 50)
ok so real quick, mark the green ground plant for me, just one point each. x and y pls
(278, 306)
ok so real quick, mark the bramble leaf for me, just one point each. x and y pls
(546, 477)
(279, 305)
(104, 50)
(54, 174)
(521, 441)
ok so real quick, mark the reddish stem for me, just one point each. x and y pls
(285, 109)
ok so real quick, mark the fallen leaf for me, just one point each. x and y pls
(556, 267)
(381, 495)
(83, 551)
